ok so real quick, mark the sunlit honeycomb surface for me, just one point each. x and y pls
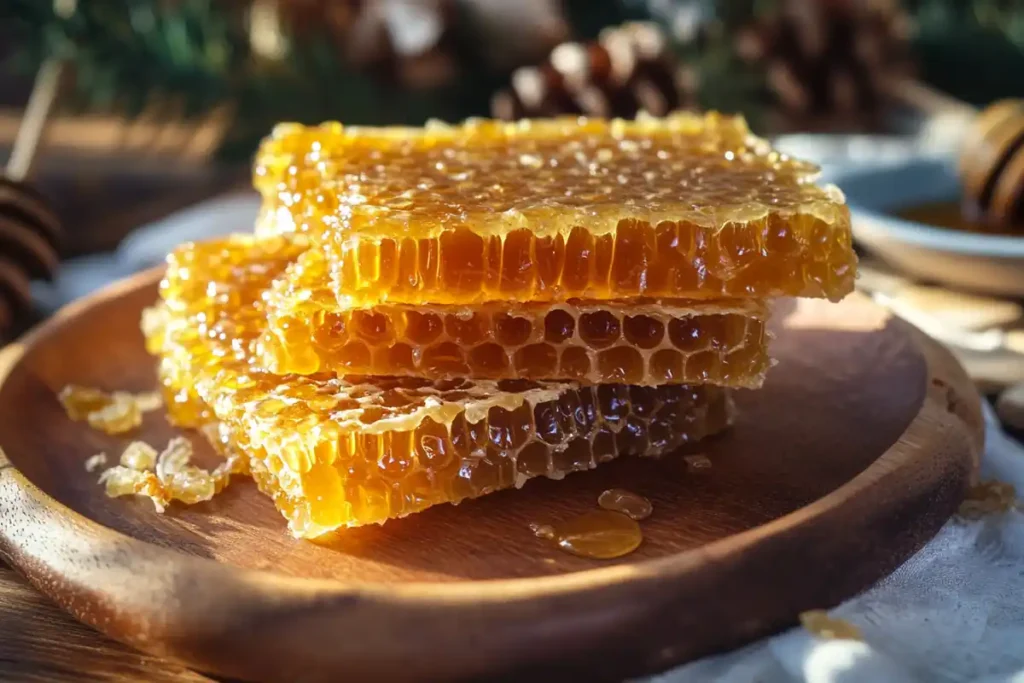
(211, 312)
(643, 342)
(683, 207)
(336, 452)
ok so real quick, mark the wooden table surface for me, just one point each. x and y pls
(41, 642)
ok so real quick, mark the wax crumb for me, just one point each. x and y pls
(819, 623)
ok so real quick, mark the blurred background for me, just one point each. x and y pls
(177, 91)
(129, 111)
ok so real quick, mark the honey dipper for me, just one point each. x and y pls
(992, 165)
(991, 151)
(30, 231)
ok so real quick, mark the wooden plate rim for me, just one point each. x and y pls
(55, 546)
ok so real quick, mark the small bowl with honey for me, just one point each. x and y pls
(914, 216)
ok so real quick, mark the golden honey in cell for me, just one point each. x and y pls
(687, 206)
(643, 342)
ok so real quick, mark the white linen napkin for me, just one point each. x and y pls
(952, 612)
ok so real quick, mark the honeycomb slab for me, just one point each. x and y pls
(211, 312)
(336, 452)
(688, 206)
(641, 342)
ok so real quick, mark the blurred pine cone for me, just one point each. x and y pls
(408, 42)
(30, 233)
(629, 68)
(829, 59)
(414, 43)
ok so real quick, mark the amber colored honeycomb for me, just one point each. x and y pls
(337, 452)
(639, 342)
(683, 207)
(211, 312)
(347, 454)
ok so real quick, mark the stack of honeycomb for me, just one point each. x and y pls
(428, 315)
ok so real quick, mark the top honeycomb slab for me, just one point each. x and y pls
(687, 206)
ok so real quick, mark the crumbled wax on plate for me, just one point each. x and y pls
(167, 475)
(110, 412)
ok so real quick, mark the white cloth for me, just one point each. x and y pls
(952, 612)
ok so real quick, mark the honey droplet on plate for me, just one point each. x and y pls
(696, 463)
(628, 503)
(601, 535)
(545, 531)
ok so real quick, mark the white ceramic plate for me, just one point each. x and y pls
(993, 264)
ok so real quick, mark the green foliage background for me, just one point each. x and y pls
(196, 53)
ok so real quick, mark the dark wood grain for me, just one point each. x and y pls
(858, 448)
(41, 642)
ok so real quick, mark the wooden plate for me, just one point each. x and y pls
(859, 447)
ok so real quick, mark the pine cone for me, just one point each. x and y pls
(30, 233)
(409, 42)
(627, 69)
(829, 58)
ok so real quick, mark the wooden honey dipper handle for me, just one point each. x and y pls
(926, 99)
(30, 231)
(22, 208)
(37, 111)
